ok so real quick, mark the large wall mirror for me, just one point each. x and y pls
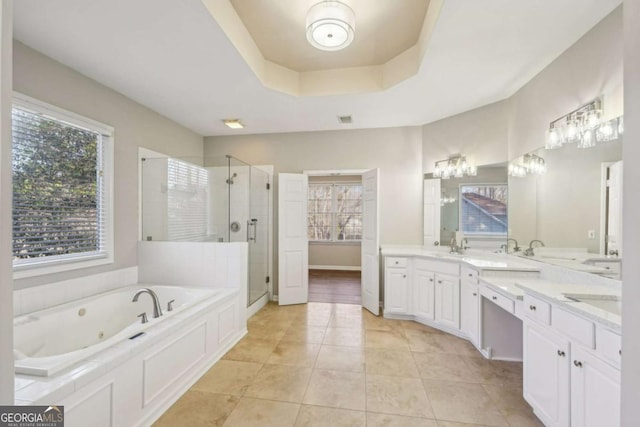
(569, 214)
(473, 208)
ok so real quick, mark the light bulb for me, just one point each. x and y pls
(554, 140)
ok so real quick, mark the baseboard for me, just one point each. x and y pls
(336, 267)
(257, 305)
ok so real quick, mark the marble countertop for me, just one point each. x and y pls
(482, 260)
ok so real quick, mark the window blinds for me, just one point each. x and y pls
(187, 198)
(58, 189)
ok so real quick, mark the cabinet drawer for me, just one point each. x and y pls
(609, 346)
(469, 275)
(537, 309)
(498, 299)
(396, 262)
(451, 268)
(581, 330)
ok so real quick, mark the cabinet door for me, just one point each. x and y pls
(424, 288)
(546, 373)
(396, 291)
(469, 308)
(595, 391)
(448, 300)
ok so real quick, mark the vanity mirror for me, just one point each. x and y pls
(569, 213)
(471, 207)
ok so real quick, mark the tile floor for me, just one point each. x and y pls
(322, 364)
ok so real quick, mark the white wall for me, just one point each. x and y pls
(631, 213)
(6, 270)
(397, 152)
(135, 125)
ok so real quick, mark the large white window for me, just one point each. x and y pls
(483, 210)
(62, 172)
(335, 212)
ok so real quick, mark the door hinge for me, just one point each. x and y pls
(267, 280)
(268, 186)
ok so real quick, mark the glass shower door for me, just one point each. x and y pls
(258, 234)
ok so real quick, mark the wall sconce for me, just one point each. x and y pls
(531, 165)
(583, 126)
(454, 167)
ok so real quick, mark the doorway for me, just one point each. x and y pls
(297, 227)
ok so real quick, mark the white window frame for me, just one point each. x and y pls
(76, 261)
(334, 214)
(479, 236)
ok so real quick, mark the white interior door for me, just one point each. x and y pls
(370, 243)
(614, 209)
(293, 245)
(431, 211)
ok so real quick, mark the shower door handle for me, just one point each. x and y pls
(252, 223)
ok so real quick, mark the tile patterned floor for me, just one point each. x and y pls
(323, 364)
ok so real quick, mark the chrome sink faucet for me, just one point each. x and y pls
(454, 246)
(516, 248)
(157, 311)
(529, 250)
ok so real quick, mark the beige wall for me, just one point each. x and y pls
(397, 152)
(588, 69)
(42, 78)
(480, 135)
(631, 213)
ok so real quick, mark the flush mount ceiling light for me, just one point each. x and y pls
(233, 123)
(330, 25)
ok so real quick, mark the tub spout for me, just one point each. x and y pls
(157, 311)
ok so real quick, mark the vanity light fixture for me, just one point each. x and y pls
(330, 25)
(531, 164)
(583, 126)
(454, 167)
(233, 123)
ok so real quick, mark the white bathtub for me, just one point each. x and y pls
(49, 341)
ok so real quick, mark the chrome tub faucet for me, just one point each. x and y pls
(157, 310)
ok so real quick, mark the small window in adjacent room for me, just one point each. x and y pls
(62, 210)
(483, 210)
(335, 212)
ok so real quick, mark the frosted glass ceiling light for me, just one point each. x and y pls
(608, 131)
(330, 25)
(454, 167)
(588, 139)
(572, 129)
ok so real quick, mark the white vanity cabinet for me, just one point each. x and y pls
(570, 369)
(545, 371)
(447, 298)
(469, 304)
(424, 288)
(397, 286)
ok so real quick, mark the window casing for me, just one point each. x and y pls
(62, 171)
(335, 212)
(483, 210)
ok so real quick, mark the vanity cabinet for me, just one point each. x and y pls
(570, 369)
(545, 370)
(470, 304)
(447, 298)
(397, 288)
(595, 390)
(424, 286)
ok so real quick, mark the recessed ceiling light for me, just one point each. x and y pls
(345, 120)
(233, 123)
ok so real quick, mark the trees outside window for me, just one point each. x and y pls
(335, 212)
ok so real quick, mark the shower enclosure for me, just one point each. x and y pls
(220, 199)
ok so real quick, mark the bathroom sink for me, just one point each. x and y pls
(608, 303)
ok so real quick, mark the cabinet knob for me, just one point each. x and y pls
(431, 280)
(620, 352)
(439, 281)
(532, 307)
(404, 276)
(397, 263)
(561, 353)
(577, 363)
(470, 275)
(475, 294)
(494, 298)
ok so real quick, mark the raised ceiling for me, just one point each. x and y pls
(384, 29)
(173, 57)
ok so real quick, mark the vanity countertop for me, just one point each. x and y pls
(555, 293)
(482, 260)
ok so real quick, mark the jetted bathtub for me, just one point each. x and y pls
(51, 340)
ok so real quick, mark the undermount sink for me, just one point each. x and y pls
(609, 303)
